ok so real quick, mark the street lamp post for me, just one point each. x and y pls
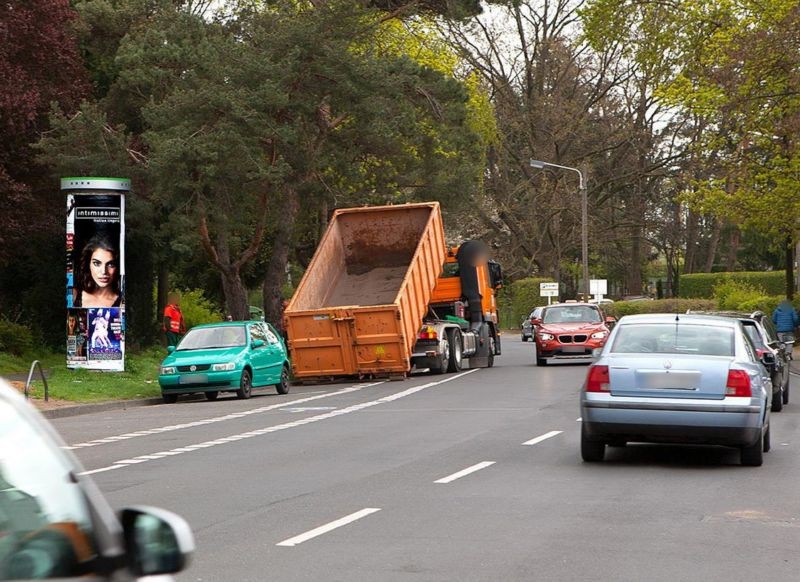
(539, 165)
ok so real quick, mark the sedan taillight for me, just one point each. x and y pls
(598, 379)
(738, 384)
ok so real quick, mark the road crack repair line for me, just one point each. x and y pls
(270, 429)
(205, 421)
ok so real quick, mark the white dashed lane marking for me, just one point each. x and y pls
(205, 421)
(465, 472)
(279, 427)
(544, 437)
(328, 527)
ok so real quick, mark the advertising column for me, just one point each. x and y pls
(96, 272)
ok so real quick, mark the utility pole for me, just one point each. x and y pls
(585, 234)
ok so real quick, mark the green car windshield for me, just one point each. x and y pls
(207, 338)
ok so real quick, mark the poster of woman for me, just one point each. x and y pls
(95, 245)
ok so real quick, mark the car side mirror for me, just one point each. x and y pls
(257, 343)
(156, 541)
(170, 349)
(768, 359)
(536, 321)
(611, 320)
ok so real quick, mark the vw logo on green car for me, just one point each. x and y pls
(232, 356)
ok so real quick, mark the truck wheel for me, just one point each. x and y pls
(456, 350)
(491, 353)
(444, 359)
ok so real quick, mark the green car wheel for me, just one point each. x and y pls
(283, 386)
(245, 386)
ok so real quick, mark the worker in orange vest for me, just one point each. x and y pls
(173, 325)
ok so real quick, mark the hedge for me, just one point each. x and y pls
(701, 285)
(518, 299)
(622, 308)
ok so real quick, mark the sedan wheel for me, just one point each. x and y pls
(786, 393)
(777, 401)
(753, 455)
(283, 386)
(245, 386)
(592, 451)
(767, 444)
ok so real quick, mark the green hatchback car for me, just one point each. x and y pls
(233, 356)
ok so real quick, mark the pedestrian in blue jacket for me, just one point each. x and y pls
(785, 317)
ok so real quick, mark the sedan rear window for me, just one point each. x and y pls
(661, 338)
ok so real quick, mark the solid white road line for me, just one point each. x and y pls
(464, 472)
(579, 419)
(323, 529)
(232, 416)
(269, 429)
(544, 437)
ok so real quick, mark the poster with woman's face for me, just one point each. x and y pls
(95, 294)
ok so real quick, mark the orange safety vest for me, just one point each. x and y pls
(175, 318)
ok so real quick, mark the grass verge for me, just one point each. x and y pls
(139, 380)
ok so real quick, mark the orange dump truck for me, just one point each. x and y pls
(383, 294)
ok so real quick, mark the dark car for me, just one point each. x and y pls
(55, 523)
(527, 324)
(764, 336)
(570, 332)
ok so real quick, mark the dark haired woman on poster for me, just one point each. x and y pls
(98, 275)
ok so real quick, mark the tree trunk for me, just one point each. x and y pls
(276, 270)
(163, 288)
(733, 248)
(712, 246)
(691, 242)
(789, 267)
(235, 295)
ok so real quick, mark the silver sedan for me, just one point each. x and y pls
(677, 379)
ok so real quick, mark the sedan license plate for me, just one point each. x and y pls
(193, 379)
(660, 380)
(573, 350)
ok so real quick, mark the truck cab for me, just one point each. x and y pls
(462, 319)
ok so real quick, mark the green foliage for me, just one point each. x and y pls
(703, 284)
(765, 303)
(518, 299)
(622, 308)
(197, 309)
(730, 294)
(15, 338)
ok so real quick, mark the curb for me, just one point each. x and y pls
(80, 409)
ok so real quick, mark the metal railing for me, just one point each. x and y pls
(35, 365)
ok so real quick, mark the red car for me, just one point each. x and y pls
(569, 332)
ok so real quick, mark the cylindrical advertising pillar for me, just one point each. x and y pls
(96, 272)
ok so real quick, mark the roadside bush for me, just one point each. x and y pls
(765, 303)
(15, 338)
(623, 308)
(197, 309)
(731, 294)
(518, 299)
(701, 285)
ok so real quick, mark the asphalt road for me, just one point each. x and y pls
(430, 479)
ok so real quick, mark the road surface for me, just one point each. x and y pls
(475, 476)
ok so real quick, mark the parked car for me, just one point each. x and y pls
(764, 336)
(569, 332)
(231, 356)
(678, 379)
(527, 324)
(55, 523)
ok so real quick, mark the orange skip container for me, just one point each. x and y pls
(360, 304)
